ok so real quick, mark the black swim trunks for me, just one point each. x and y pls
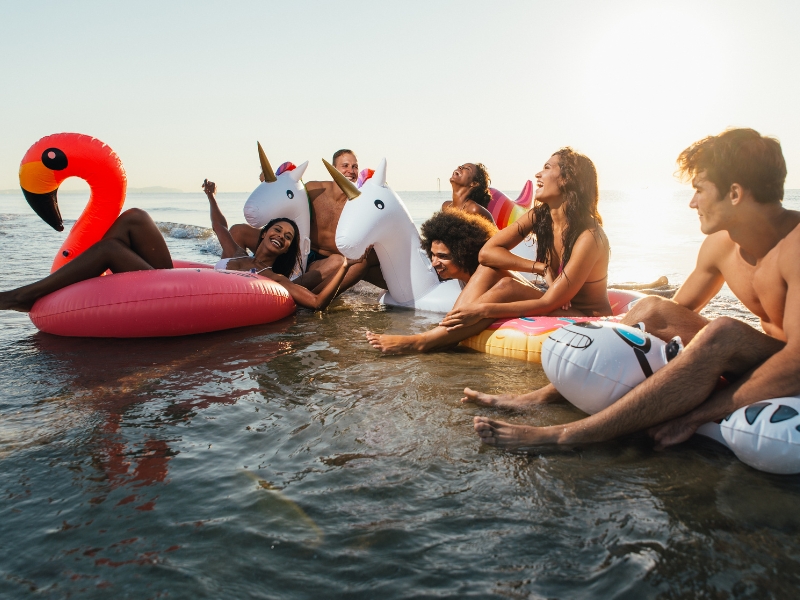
(313, 256)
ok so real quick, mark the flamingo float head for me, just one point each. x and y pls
(56, 157)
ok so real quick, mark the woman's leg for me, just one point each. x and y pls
(130, 244)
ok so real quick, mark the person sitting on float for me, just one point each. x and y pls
(134, 243)
(572, 257)
(452, 240)
(470, 183)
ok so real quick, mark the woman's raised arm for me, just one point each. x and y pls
(219, 224)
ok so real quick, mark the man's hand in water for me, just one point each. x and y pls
(209, 187)
(463, 316)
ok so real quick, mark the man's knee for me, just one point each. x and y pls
(135, 215)
(737, 344)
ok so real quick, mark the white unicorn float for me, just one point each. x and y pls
(376, 216)
(283, 195)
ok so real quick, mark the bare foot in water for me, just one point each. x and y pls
(513, 437)
(11, 301)
(394, 344)
(521, 402)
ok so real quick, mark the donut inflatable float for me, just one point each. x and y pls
(522, 338)
(594, 364)
(191, 298)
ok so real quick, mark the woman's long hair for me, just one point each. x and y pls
(480, 194)
(578, 186)
(286, 263)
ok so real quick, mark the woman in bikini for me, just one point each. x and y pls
(572, 257)
(134, 243)
(470, 183)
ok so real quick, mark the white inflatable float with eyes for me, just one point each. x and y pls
(282, 195)
(376, 216)
(594, 364)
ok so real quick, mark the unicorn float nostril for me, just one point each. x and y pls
(673, 348)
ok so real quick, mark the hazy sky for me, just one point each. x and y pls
(182, 90)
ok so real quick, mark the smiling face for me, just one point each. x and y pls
(710, 205)
(277, 238)
(443, 264)
(464, 176)
(547, 179)
(347, 165)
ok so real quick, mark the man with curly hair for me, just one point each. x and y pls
(452, 240)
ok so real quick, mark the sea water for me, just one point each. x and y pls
(290, 460)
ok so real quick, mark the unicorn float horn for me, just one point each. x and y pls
(269, 174)
(347, 186)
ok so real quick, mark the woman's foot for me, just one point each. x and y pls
(521, 402)
(12, 301)
(395, 344)
(513, 437)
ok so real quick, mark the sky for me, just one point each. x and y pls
(182, 90)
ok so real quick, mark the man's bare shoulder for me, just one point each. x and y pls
(716, 248)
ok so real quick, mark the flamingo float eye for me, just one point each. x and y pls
(379, 204)
(290, 194)
(54, 159)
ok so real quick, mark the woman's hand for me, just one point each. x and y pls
(463, 316)
(209, 187)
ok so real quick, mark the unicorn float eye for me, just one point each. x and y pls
(379, 204)
(290, 194)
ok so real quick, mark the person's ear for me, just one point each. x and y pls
(735, 193)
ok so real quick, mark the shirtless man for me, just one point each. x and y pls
(327, 202)
(752, 245)
(470, 183)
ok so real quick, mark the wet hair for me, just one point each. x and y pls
(578, 185)
(480, 194)
(740, 156)
(339, 153)
(463, 234)
(285, 263)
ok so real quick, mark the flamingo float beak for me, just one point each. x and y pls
(40, 187)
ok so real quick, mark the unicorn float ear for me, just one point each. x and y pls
(297, 172)
(347, 186)
(266, 168)
(380, 174)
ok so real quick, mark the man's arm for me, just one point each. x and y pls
(706, 280)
